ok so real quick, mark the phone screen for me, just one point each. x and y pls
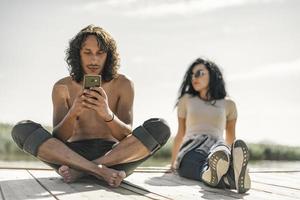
(91, 81)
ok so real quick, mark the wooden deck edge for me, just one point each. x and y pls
(156, 170)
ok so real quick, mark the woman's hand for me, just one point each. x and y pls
(173, 169)
(95, 98)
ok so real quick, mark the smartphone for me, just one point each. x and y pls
(91, 81)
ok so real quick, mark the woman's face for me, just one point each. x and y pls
(200, 78)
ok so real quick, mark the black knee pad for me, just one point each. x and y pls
(29, 135)
(154, 133)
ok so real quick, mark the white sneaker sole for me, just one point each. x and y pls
(240, 156)
(218, 165)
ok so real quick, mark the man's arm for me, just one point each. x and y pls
(63, 117)
(121, 126)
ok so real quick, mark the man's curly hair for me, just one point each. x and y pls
(105, 42)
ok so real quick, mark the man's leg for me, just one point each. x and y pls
(35, 140)
(143, 142)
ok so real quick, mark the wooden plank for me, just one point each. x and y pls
(278, 179)
(144, 184)
(216, 193)
(171, 188)
(258, 194)
(140, 190)
(252, 194)
(83, 189)
(1, 193)
(176, 187)
(19, 184)
(278, 190)
(294, 178)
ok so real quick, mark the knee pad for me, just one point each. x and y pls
(154, 133)
(29, 135)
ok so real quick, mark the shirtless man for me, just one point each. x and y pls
(92, 131)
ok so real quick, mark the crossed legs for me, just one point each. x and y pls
(63, 155)
(128, 150)
(144, 141)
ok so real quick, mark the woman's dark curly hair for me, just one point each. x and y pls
(216, 86)
(105, 42)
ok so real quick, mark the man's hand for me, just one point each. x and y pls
(95, 98)
(78, 105)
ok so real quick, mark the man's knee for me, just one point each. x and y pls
(154, 133)
(29, 135)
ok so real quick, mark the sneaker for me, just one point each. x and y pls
(218, 164)
(240, 158)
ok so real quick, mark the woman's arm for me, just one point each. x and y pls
(230, 131)
(178, 140)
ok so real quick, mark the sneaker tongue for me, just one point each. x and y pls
(226, 181)
(229, 178)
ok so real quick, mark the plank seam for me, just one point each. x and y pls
(274, 193)
(140, 188)
(275, 171)
(144, 170)
(2, 194)
(26, 168)
(50, 169)
(287, 187)
(42, 185)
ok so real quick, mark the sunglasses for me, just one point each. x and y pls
(198, 73)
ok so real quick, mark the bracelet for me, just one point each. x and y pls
(113, 116)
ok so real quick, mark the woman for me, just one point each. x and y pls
(199, 151)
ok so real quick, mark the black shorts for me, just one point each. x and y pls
(92, 149)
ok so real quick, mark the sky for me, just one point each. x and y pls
(256, 44)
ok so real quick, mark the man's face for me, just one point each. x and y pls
(92, 57)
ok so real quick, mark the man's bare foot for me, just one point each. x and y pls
(70, 175)
(111, 176)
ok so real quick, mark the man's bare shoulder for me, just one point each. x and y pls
(61, 86)
(123, 81)
(64, 81)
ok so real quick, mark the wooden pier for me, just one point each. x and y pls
(144, 183)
